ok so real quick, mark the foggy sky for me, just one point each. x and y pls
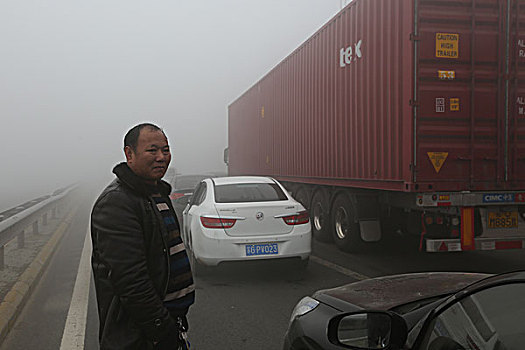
(76, 75)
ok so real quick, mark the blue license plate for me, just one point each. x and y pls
(262, 249)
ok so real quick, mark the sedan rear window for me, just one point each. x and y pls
(249, 192)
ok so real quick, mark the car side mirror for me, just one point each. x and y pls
(368, 330)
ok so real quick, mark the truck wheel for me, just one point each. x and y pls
(320, 215)
(346, 231)
(302, 197)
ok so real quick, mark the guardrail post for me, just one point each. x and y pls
(21, 239)
(44, 219)
(35, 227)
(1, 258)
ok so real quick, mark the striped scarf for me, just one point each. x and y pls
(181, 289)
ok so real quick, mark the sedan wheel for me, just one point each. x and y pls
(197, 268)
(303, 264)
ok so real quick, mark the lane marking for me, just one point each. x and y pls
(75, 329)
(339, 268)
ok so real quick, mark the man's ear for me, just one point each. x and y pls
(128, 151)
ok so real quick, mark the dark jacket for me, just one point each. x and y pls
(130, 264)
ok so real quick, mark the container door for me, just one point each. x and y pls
(517, 95)
(460, 125)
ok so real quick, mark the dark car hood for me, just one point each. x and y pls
(384, 293)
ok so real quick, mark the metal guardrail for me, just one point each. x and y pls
(15, 225)
(15, 210)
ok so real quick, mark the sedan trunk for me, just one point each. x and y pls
(256, 219)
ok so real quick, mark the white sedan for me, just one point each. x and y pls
(244, 218)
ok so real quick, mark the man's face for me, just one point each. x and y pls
(151, 158)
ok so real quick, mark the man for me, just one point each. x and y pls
(142, 275)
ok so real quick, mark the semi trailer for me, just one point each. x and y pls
(398, 116)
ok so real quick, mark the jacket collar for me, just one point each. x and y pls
(135, 182)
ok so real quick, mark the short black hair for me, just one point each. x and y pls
(132, 136)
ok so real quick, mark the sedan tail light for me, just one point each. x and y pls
(297, 219)
(210, 222)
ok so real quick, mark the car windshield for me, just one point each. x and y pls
(249, 192)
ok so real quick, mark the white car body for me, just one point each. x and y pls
(259, 230)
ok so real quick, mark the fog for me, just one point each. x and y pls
(76, 75)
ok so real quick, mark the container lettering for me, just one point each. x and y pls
(348, 55)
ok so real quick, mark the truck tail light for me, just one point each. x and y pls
(217, 222)
(297, 219)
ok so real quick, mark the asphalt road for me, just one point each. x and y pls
(238, 306)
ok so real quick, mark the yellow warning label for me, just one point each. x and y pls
(446, 74)
(262, 112)
(437, 159)
(454, 104)
(447, 45)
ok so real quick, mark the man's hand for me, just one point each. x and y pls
(169, 343)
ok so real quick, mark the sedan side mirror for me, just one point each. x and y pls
(368, 330)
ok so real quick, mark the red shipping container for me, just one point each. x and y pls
(404, 95)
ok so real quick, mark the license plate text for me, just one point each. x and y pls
(261, 249)
(503, 219)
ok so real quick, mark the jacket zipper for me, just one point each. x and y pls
(165, 248)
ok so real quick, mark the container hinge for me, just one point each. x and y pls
(414, 37)
(414, 103)
(413, 167)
